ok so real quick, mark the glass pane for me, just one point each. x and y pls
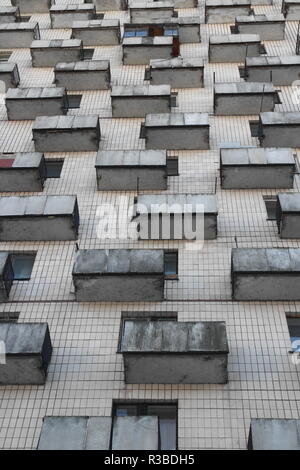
(167, 429)
(53, 168)
(296, 345)
(172, 166)
(170, 263)
(129, 34)
(167, 424)
(271, 205)
(126, 410)
(170, 32)
(142, 33)
(163, 411)
(74, 101)
(22, 266)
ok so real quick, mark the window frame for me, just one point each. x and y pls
(173, 276)
(141, 406)
(53, 160)
(14, 254)
(268, 200)
(176, 172)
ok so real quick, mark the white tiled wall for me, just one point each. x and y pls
(85, 373)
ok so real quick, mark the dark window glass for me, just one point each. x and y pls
(171, 263)
(172, 166)
(53, 167)
(9, 316)
(88, 54)
(294, 330)
(5, 55)
(22, 264)
(74, 101)
(271, 204)
(170, 32)
(254, 128)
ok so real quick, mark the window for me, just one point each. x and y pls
(271, 204)
(293, 323)
(166, 412)
(5, 55)
(22, 264)
(9, 317)
(254, 128)
(170, 32)
(171, 264)
(53, 167)
(242, 72)
(74, 101)
(136, 32)
(88, 54)
(262, 49)
(172, 166)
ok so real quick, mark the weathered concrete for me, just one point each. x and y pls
(233, 48)
(28, 351)
(66, 133)
(47, 53)
(27, 218)
(17, 35)
(119, 275)
(265, 274)
(22, 172)
(32, 6)
(63, 16)
(178, 72)
(189, 29)
(97, 32)
(135, 433)
(242, 98)
(291, 9)
(171, 352)
(288, 215)
(225, 11)
(29, 103)
(9, 74)
(178, 131)
(139, 100)
(279, 129)
(6, 275)
(257, 168)
(75, 433)
(283, 70)
(140, 50)
(268, 27)
(143, 11)
(152, 211)
(274, 434)
(9, 14)
(109, 5)
(83, 75)
(130, 170)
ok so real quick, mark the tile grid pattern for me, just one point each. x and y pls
(85, 373)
